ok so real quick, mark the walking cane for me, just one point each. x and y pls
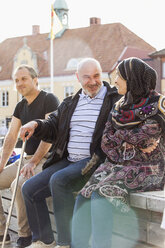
(14, 193)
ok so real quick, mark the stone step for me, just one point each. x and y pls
(118, 242)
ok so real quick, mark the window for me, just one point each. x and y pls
(72, 63)
(24, 62)
(4, 98)
(68, 91)
(163, 70)
(45, 55)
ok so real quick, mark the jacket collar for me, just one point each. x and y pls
(110, 91)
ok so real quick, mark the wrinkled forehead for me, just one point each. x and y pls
(89, 68)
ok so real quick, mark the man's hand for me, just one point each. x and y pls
(1, 168)
(28, 170)
(27, 130)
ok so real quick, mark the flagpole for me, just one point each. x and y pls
(51, 52)
(51, 66)
(58, 26)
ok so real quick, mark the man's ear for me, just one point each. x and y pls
(35, 81)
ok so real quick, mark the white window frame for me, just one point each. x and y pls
(4, 98)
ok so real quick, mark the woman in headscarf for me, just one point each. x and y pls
(133, 141)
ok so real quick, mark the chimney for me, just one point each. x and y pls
(95, 21)
(35, 29)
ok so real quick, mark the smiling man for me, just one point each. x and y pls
(90, 77)
(75, 129)
(34, 104)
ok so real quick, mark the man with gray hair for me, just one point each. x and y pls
(34, 104)
(75, 129)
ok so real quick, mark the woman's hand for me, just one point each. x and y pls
(151, 147)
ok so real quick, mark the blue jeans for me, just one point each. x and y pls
(59, 180)
(92, 218)
(97, 218)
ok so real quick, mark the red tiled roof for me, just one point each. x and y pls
(104, 42)
(133, 52)
(160, 53)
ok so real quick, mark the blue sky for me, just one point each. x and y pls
(143, 17)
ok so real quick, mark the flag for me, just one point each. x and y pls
(56, 25)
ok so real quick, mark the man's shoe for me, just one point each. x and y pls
(40, 244)
(23, 242)
(63, 246)
(7, 241)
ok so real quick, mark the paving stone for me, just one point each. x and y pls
(14, 237)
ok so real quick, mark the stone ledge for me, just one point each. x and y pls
(153, 201)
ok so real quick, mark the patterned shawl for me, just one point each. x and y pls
(152, 106)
